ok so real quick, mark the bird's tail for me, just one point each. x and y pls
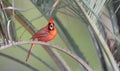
(29, 52)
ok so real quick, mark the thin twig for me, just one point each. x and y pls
(13, 12)
(78, 59)
(54, 6)
(50, 11)
(118, 8)
(4, 11)
(16, 9)
(8, 30)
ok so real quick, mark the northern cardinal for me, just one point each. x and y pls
(45, 34)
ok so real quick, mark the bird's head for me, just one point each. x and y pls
(51, 25)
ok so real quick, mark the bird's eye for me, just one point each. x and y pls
(51, 26)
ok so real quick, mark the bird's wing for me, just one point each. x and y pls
(41, 34)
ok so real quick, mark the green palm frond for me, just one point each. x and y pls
(81, 29)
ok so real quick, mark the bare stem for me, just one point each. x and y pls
(78, 59)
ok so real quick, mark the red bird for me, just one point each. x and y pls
(45, 34)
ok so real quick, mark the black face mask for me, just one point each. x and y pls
(51, 26)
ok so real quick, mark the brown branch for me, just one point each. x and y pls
(20, 18)
(74, 56)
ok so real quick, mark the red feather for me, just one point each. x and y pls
(45, 34)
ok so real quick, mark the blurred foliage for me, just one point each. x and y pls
(74, 33)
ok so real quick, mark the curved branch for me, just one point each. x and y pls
(8, 30)
(74, 56)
